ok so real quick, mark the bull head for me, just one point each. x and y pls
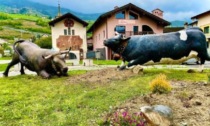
(115, 42)
(58, 62)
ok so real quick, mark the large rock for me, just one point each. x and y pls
(157, 115)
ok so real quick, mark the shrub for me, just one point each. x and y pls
(126, 119)
(4, 16)
(160, 84)
(42, 22)
(1, 50)
(44, 42)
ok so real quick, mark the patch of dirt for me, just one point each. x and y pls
(189, 101)
(102, 76)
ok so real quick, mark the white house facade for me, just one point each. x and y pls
(69, 31)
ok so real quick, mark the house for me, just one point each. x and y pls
(128, 20)
(69, 31)
(203, 21)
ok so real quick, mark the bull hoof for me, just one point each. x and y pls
(5, 75)
(122, 68)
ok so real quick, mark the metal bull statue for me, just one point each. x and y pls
(141, 49)
(44, 62)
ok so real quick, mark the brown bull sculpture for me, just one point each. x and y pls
(44, 62)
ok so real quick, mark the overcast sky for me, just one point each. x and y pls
(173, 9)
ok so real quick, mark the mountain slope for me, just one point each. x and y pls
(29, 7)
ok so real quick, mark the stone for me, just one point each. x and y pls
(137, 69)
(157, 115)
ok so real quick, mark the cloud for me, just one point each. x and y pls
(173, 9)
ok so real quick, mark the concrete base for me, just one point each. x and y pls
(87, 62)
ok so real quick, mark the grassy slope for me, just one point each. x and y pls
(21, 26)
(15, 23)
(30, 100)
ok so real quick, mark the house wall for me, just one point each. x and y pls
(204, 21)
(58, 29)
(108, 25)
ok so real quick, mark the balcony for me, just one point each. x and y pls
(130, 33)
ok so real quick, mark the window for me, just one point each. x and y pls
(135, 30)
(206, 29)
(69, 31)
(120, 29)
(120, 15)
(65, 31)
(73, 32)
(133, 15)
(104, 34)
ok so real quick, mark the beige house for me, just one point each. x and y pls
(69, 31)
(203, 21)
(128, 20)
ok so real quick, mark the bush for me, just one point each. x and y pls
(1, 50)
(44, 42)
(126, 119)
(160, 84)
(4, 16)
(42, 23)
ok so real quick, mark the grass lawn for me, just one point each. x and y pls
(3, 67)
(30, 100)
(107, 62)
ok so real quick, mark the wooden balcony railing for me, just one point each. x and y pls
(130, 33)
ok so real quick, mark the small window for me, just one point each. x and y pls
(120, 15)
(73, 32)
(206, 29)
(69, 31)
(104, 34)
(133, 15)
(65, 31)
(120, 29)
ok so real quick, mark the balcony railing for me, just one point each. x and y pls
(130, 33)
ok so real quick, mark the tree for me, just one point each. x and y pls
(44, 42)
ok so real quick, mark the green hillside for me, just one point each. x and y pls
(33, 8)
(22, 26)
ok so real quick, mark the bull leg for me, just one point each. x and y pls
(44, 74)
(22, 69)
(141, 60)
(122, 65)
(12, 63)
(201, 65)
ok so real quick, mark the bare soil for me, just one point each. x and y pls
(190, 101)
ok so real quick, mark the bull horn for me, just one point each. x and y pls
(116, 33)
(57, 53)
(47, 57)
(65, 52)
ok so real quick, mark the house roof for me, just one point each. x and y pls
(201, 14)
(192, 23)
(133, 7)
(67, 15)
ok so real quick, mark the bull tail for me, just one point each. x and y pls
(22, 60)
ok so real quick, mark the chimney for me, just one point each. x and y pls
(158, 12)
(116, 7)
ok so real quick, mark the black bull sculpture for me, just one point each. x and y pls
(44, 62)
(141, 49)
